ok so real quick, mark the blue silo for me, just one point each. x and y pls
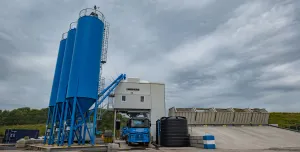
(57, 73)
(55, 84)
(63, 85)
(84, 75)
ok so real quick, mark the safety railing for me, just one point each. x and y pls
(64, 35)
(92, 12)
(73, 25)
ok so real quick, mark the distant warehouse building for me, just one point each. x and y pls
(219, 116)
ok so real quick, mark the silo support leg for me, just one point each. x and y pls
(70, 141)
(60, 123)
(84, 123)
(65, 122)
(48, 120)
(84, 133)
(93, 137)
(53, 124)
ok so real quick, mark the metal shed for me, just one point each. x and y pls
(242, 116)
(260, 116)
(205, 116)
(224, 116)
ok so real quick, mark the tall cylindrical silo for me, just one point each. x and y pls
(63, 84)
(84, 76)
(57, 73)
(59, 111)
(55, 84)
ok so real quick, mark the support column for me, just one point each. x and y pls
(115, 117)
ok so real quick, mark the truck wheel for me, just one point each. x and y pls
(146, 144)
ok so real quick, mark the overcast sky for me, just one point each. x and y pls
(209, 53)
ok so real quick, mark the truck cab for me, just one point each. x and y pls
(138, 131)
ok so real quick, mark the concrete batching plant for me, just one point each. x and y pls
(76, 81)
(75, 96)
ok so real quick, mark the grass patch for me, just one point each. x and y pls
(284, 119)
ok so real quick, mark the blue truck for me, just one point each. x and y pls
(138, 131)
(124, 133)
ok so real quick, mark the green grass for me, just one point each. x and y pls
(284, 119)
(40, 127)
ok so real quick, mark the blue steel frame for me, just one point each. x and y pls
(49, 122)
(85, 117)
(64, 116)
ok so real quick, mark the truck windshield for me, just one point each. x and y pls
(137, 123)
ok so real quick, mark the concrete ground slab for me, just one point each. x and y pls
(250, 137)
(124, 146)
(54, 148)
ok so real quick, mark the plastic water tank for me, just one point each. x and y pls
(174, 132)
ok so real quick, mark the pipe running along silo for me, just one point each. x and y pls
(84, 76)
(55, 84)
(63, 85)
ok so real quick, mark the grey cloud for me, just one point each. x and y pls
(243, 77)
(232, 70)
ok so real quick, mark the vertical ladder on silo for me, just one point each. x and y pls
(105, 43)
(101, 109)
(101, 85)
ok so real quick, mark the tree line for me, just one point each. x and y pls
(23, 116)
(28, 116)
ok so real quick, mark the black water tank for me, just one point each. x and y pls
(174, 132)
